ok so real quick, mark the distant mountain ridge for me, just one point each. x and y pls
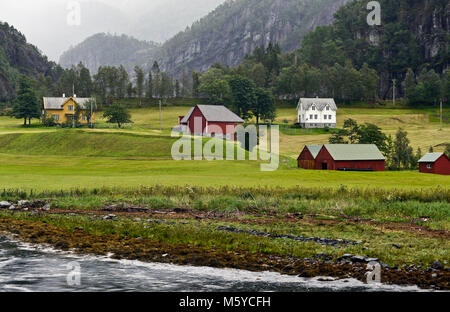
(226, 35)
(107, 49)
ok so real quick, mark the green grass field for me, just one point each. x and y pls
(37, 157)
(82, 172)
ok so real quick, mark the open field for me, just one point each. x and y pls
(65, 172)
(210, 212)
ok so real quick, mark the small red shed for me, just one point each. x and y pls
(212, 120)
(350, 157)
(437, 163)
(308, 156)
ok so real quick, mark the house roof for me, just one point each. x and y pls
(188, 115)
(58, 102)
(430, 157)
(217, 113)
(314, 149)
(320, 104)
(354, 152)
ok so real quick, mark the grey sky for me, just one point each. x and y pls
(44, 22)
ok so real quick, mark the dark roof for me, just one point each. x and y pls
(320, 104)
(217, 113)
(431, 157)
(58, 102)
(354, 152)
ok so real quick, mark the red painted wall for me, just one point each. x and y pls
(197, 113)
(306, 159)
(441, 166)
(324, 157)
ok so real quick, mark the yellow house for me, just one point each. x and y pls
(62, 109)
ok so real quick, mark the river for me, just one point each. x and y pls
(24, 268)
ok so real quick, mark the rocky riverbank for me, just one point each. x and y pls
(123, 247)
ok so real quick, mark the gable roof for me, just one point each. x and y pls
(314, 149)
(188, 115)
(217, 113)
(58, 102)
(354, 152)
(431, 157)
(306, 103)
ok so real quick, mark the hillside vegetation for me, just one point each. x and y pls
(18, 57)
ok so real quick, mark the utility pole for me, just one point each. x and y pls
(441, 115)
(394, 81)
(160, 118)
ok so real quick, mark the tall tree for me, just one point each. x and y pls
(265, 106)
(139, 82)
(195, 84)
(149, 92)
(403, 153)
(26, 105)
(156, 79)
(243, 95)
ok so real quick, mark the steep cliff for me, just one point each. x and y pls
(18, 57)
(413, 34)
(226, 35)
(237, 27)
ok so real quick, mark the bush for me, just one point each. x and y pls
(49, 122)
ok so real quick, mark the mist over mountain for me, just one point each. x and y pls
(226, 35)
(44, 22)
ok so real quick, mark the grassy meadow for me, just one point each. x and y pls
(140, 154)
(402, 218)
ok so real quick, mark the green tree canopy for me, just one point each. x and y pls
(26, 105)
(117, 113)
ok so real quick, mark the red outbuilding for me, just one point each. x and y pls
(211, 120)
(307, 157)
(437, 163)
(350, 157)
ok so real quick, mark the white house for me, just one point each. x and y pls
(317, 113)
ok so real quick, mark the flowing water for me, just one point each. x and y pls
(25, 267)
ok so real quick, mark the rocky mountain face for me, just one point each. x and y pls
(413, 34)
(18, 57)
(236, 28)
(106, 49)
(226, 35)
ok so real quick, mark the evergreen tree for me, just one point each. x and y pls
(403, 153)
(139, 82)
(409, 85)
(195, 84)
(26, 105)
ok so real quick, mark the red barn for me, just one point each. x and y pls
(350, 157)
(212, 120)
(437, 163)
(308, 156)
